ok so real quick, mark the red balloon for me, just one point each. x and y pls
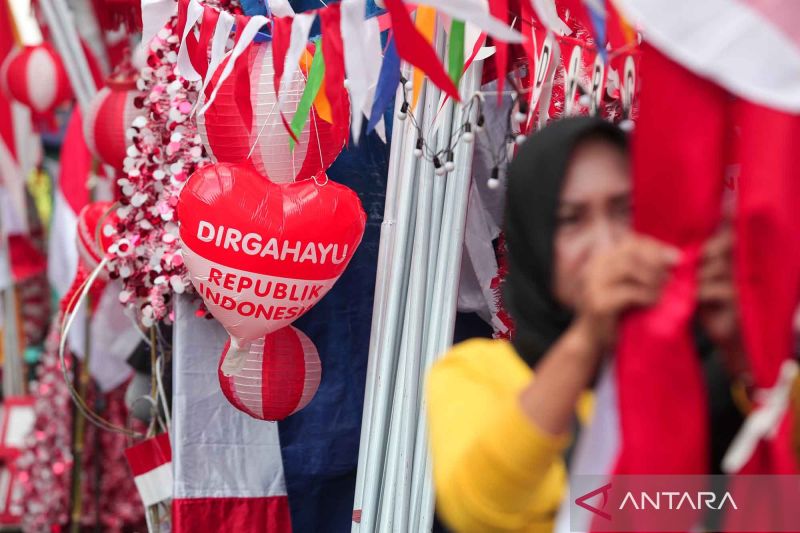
(262, 254)
(35, 77)
(280, 375)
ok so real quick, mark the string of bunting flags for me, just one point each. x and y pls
(349, 61)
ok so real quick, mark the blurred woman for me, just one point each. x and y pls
(499, 436)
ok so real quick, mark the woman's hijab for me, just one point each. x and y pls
(535, 181)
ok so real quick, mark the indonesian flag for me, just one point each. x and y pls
(228, 466)
(721, 83)
(151, 465)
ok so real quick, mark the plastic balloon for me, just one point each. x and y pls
(280, 376)
(262, 254)
(228, 134)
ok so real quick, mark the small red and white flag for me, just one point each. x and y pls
(151, 465)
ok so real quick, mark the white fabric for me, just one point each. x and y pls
(298, 40)
(185, 68)
(356, 61)
(156, 485)
(728, 41)
(763, 422)
(374, 58)
(217, 451)
(477, 13)
(597, 447)
(62, 251)
(546, 9)
(114, 337)
(280, 8)
(218, 42)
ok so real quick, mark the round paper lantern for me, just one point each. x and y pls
(96, 225)
(110, 114)
(229, 134)
(35, 77)
(261, 254)
(280, 375)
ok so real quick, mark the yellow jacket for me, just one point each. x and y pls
(494, 470)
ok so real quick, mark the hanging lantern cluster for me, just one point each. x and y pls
(244, 122)
(108, 119)
(35, 77)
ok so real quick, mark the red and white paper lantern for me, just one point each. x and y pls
(228, 134)
(106, 121)
(96, 227)
(280, 376)
(35, 77)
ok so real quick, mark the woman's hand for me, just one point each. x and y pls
(716, 295)
(632, 274)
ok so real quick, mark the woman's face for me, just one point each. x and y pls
(593, 214)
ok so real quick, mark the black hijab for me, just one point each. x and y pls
(535, 180)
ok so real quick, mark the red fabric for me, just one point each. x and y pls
(149, 454)
(499, 10)
(281, 34)
(242, 515)
(75, 169)
(207, 27)
(333, 54)
(241, 72)
(414, 48)
(284, 373)
(6, 123)
(768, 255)
(679, 160)
(26, 260)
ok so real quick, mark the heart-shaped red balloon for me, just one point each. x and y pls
(262, 254)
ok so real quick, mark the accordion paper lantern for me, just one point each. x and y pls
(228, 133)
(110, 114)
(35, 77)
(261, 254)
(96, 226)
(280, 376)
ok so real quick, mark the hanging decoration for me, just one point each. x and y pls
(108, 118)
(165, 149)
(280, 376)
(35, 77)
(262, 254)
(96, 226)
(233, 134)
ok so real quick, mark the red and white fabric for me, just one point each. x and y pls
(228, 467)
(151, 465)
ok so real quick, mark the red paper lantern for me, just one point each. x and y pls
(281, 374)
(110, 114)
(228, 134)
(35, 77)
(96, 226)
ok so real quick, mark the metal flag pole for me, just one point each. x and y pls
(383, 355)
(446, 286)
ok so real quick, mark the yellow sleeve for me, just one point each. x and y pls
(494, 470)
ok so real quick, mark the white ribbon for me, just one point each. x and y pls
(155, 15)
(356, 59)
(763, 422)
(248, 34)
(185, 67)
(373, 59)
